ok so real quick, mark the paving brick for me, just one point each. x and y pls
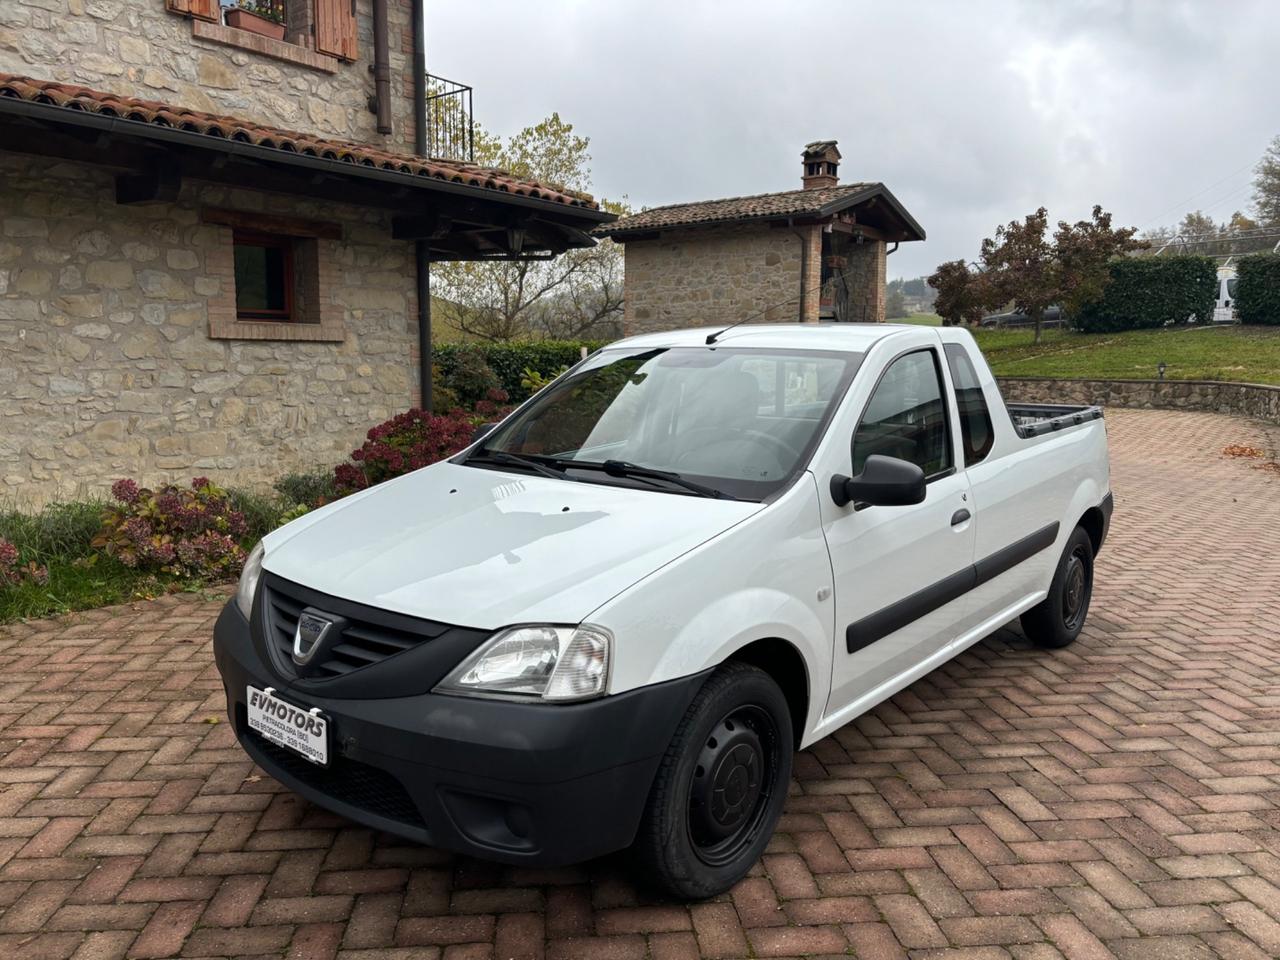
(1117, 798)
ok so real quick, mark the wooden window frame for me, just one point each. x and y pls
(273, 241)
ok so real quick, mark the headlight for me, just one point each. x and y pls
(249, 580)
(536, 662)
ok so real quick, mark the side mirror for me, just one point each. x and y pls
(883, 482)
(482, 431)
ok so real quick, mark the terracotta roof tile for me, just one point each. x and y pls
(790, 203)
(74, 97)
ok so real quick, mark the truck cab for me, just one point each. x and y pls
(613, 619)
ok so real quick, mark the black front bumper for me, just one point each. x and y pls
(520, 783)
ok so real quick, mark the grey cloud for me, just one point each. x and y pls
(973, 113)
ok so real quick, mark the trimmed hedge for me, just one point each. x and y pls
(1258, 289)
(1151, 292)
(509, 359)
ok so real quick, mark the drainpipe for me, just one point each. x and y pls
(381, 67)
(421, 253)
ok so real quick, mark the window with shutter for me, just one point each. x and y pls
(200, 9)
(336, 28)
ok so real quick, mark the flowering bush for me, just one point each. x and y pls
(406, 442)
(11, 573)
(190, 533)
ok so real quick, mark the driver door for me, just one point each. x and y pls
(898, 571)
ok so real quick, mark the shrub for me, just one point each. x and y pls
(509, 360)
(469, 379)
(186, 532)
(11, 573)
(1149, 292)
(1258, 289)
(406, 442)
(533, 381)
(313, 489)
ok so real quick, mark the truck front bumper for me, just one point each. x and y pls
(525, 783)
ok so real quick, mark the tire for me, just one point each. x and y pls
(1057, 620)
(720, 786)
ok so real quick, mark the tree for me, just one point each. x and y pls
(963, 296)
(1031, 271)
(895, 304)
(576, 294)
(1266, 185)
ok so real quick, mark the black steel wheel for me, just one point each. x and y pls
(1058, 619)
(730, 789)
(720, 787)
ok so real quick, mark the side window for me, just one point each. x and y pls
(976, 433)
(907, 416)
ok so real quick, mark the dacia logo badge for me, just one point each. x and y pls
(309, 635)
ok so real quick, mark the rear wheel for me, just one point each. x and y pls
(720, 786)
(1058, 619)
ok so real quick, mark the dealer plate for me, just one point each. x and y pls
(305, 732)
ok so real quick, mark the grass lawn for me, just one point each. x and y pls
(1247, 354)
(73, 587)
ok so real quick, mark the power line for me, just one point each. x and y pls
(1183, 204)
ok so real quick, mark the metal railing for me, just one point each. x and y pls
(450, 134)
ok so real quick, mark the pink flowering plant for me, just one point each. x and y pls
(406, 442)
(12, 573)
(192, 532)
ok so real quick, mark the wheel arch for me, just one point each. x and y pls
(1094, 522)
(783, 661)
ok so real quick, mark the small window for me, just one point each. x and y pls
(976, 433)
(906, 417)
(264, 276)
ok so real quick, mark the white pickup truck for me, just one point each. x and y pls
(612, 620)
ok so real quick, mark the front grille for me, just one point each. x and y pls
(361, 643)
(348, 781)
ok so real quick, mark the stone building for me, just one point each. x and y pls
(212, 242)
(812, 254)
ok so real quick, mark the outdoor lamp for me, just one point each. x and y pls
(1160, 368)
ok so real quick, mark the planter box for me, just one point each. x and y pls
(244, 20)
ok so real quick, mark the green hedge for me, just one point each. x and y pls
(1150, 292)
(1258, 289)
(509, 359)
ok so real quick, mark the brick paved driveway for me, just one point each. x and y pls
(1121, 797)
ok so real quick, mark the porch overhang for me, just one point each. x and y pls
(456, 219)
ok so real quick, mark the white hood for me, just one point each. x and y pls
(482, 548)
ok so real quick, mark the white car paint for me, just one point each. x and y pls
(683, 582)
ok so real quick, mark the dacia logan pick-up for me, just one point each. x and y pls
(612, 619)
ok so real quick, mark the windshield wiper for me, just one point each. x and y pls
(623, 468)
(502, 458)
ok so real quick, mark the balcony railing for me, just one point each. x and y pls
(449, 123)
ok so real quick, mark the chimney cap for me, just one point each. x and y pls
(820, 148)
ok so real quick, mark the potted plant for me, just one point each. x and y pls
(265, 17)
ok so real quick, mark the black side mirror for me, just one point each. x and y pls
(883, 482)
(482, 431)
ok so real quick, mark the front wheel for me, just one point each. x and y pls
(1058, 619)
(720, 786)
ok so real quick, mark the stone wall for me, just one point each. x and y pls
(138, 48)
(865, 275)
(709, 276)
(107, 367)
(1258, 401)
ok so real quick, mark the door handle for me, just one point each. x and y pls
(959, 517)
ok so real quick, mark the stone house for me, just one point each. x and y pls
(812, 254)
(213, 243)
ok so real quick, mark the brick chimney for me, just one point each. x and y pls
(821, 164)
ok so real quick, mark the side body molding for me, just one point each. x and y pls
(895, 616)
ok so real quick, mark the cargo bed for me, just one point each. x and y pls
(1034, 419)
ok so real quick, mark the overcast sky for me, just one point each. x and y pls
(973, 113)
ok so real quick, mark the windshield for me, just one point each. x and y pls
(739, 421)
